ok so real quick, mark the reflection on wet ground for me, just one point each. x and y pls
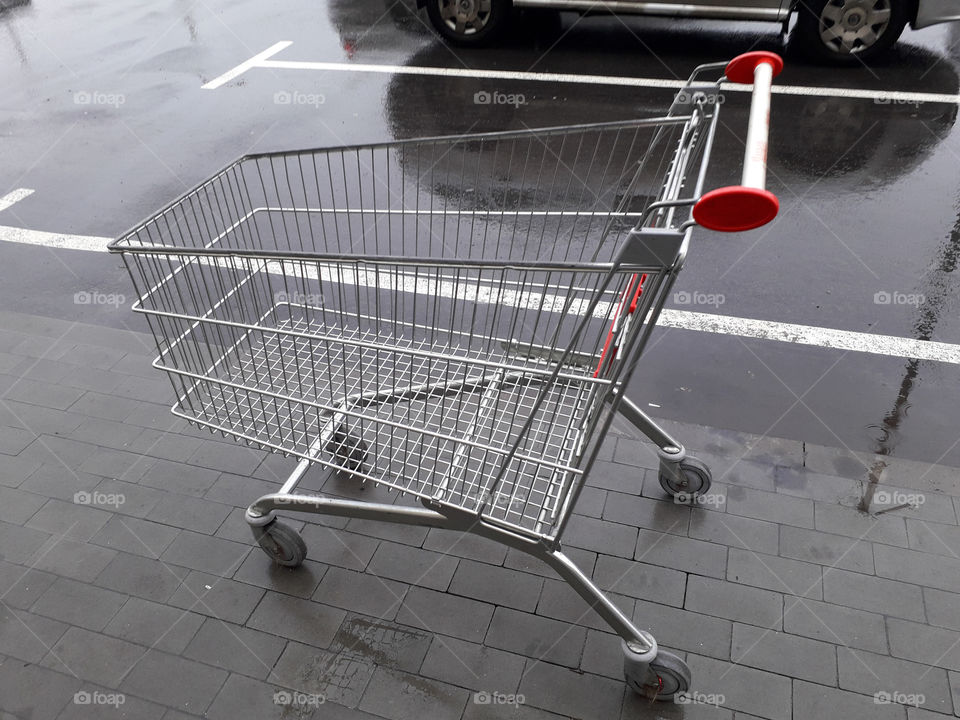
(7, 12)
(823, 145)
(867, 188)
(550, 41)
(938, 293)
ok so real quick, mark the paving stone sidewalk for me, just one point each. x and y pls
(130, 587)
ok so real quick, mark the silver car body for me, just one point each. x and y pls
(928, 12)
(771, 10)
(931, 12)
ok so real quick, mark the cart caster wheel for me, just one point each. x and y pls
(282, 543)
(696, 481)
(673, 675)
(349, 450)
(670, 675)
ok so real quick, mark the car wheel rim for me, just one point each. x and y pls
(465, 17)
(848, 27)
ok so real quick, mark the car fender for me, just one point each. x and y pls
(931, 12)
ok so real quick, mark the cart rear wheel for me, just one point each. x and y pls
(282, 543)
(695, 481)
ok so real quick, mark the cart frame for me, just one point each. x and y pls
(659, 239)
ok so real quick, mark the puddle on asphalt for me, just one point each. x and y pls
(360, 646)
(934, 294)
(337, 678)
(381, 642)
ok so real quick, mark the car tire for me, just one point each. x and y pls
(469, 22)
(847, 31)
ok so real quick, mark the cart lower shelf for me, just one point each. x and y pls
(421, 416)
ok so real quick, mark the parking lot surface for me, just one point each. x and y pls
(129, 572)
(820, 581)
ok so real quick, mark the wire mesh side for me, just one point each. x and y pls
(447, 302)
(507, 357)
(541, 196)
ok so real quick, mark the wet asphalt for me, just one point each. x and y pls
(102, 114)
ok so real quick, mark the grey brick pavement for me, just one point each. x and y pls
(126, 567)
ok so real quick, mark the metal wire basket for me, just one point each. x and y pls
(453, 318)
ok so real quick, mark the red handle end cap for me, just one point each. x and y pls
(740, 69)
(735, 209)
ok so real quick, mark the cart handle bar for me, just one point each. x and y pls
(748, 205)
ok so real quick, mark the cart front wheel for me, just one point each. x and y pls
(661, 678)
(282, 543)
(672, 674)
(695, 481)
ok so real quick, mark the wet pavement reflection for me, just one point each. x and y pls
(868, 188)
(938, 288)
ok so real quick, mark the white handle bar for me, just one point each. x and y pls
(755, 155)
(748, 205)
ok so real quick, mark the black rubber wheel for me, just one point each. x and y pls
(282, 543)
(469, 22)
(696, 481)
(847, 31)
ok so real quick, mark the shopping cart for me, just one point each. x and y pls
(452, 318)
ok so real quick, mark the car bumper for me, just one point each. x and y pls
(931, 12)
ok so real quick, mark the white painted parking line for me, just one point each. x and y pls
(812, 335)
(887, 345)
(255, 61)
(14, 196)
(265, 60)
(53, 240)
